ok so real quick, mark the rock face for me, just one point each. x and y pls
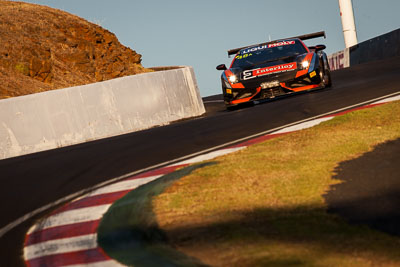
(43, 49)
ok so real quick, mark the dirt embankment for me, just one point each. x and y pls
(42, 48)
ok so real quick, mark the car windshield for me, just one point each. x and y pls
(269, 52)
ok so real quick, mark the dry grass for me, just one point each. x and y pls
(264, 206)
(42, 48)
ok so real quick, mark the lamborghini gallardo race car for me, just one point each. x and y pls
(275, 68)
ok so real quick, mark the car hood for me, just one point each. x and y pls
(269, 70)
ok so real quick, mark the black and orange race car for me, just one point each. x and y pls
(275, 68)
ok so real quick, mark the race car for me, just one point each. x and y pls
(274, 68)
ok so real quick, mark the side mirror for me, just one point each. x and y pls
(320, 47)
(221, 67)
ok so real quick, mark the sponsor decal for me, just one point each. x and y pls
(243, 56)
(249, 74)
(281, 44)
(261, 47)
(312, 74)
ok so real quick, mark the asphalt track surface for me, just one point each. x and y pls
(32, 181)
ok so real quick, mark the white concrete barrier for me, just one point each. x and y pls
(63, 117)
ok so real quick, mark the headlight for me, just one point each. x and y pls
(305, 64)
(233, 79)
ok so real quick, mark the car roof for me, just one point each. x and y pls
(272, 42)
(300, 37)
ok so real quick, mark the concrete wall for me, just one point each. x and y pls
(79, 114)
(384, 46)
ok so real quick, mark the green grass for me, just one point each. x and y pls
(264, 206)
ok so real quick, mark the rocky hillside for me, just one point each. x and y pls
(43, 49)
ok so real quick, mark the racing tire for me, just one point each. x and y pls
(327, 81)
(240, 106)
(325, 76)
(231, 108)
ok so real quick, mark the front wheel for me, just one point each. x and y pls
(240, 106)
(325, 75)
(327, 78)
(231, 107)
